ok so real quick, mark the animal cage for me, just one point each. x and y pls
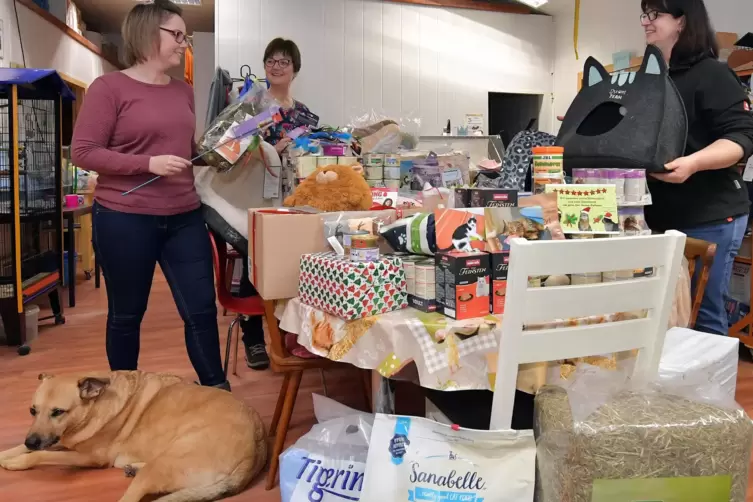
(31, 210)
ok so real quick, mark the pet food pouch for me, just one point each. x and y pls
(328, 463)
(415, 459)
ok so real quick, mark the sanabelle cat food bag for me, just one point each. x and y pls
(415, 459)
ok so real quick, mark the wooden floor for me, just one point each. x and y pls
(79, 346)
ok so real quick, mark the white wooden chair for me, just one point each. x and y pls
(526, 306)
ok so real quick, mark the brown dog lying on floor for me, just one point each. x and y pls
(193, 443)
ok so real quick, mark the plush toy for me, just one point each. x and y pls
(333, 188)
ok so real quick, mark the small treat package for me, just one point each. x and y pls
(633, 221)
(535, 218)
(603, 439)
(421, 460)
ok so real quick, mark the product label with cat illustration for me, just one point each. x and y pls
(419, 460)
(462, 284)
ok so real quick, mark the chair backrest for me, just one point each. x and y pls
(701, 253)
(219, 254)
(527, 306)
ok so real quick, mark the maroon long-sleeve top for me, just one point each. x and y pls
(121, 125)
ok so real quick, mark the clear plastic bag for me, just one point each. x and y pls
(602, 433)
(379, 133)
(216, 145)
(328, 462)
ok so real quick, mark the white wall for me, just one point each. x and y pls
(368, 54)
(203, 73)
(46, 46)
(609, 26)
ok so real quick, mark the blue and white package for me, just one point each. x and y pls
(419, 460)
(328, 463)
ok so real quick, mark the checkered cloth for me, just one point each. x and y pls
(436, 360)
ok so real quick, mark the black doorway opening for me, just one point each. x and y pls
(511, 113)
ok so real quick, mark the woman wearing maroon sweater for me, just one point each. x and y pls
(133, 125)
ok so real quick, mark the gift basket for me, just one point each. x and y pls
(236, 132)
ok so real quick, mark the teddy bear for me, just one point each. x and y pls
(333, 188)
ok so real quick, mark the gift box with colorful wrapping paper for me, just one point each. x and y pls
(352, 290)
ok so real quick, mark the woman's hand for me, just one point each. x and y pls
(282, 145)
(168, 165)
(680, 170)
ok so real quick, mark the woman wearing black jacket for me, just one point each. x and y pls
(703, 195)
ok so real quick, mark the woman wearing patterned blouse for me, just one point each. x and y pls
(282, 62)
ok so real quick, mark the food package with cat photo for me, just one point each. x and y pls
(460, 230)
(420, 460)
(415, 234)
(633, 221)
(535, 219)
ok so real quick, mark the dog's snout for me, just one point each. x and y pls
(33, 442)
(37, 442)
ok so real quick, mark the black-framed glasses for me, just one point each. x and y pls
(178, 35)
(650, 16)
(282, 63)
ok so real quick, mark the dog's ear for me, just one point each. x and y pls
(91, 388)
(44, 376)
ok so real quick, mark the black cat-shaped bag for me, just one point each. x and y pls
(629, 120)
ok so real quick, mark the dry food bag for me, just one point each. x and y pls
(419, 460)
(352, 290)
(328, 462)
(630, 120)
(604, 442)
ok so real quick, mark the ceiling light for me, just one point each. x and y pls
(534, 3)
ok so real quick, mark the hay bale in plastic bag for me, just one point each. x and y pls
(635, 434)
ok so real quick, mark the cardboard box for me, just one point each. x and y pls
(422, 304)
(277, 240)
(462, 285)
(500, 263)
(485, 197)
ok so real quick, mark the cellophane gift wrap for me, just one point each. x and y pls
(352, 290)
(601, 442)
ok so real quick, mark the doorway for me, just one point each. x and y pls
(511, 113)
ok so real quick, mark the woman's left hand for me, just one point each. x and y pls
(680, 170)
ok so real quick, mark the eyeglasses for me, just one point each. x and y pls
(179, 36)
(650, 16)
(282, 63)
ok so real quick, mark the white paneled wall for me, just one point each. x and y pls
(397, 59)
(609, 26)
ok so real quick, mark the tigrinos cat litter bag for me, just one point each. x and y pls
(418, 460)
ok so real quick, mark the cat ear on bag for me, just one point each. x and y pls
(594, 73)
(653, 62)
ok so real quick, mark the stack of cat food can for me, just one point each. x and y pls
(392, 171)
(424, 288)
(373, 164)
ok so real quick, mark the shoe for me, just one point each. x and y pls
(256, 356)
(222, 386)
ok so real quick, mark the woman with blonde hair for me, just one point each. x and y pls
(133, 125)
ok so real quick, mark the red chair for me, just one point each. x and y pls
(251, 306)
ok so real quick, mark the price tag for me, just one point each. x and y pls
(748, 173)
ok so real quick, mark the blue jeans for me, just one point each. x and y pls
(128, 247)
(728, 237)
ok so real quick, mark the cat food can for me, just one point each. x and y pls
(348, 238)
(425, 272)
(548, 161)
(347, 161)
(364, 254)
(391, 160)
(326, 161)
(425, 290)
(534, 281)
(392, 172)
(305, 166)
(587, 278)
(393, 184)
(374, 172)
(367, 241)
(610, 276)
(373, 159)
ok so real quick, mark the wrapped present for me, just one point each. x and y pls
(352, 290)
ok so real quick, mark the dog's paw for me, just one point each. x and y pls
(130, 471)
(19, 463)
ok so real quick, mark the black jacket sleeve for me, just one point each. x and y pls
(724, 107)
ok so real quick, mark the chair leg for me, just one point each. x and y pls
(282, 429)
(228, 345)
(324, 383)
(278, 406)
(235, 359)
(366, 383)
(229, 269)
